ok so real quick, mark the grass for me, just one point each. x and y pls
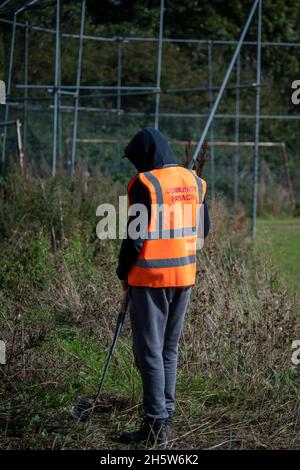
(236, 385)
(283, 242)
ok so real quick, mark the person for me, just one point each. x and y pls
(158, 266)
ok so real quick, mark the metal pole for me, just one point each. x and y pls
(7, 123)
(88, 87)
(56, 84)
(20, 143)
(290, 184)
(29, 4)
(159, 56)
(237, 131)
(257, 112)
(8, 90)
(4, 3)
(26, 49)
(146, 115)
(79, 63)
(119, 98)
(64, 89)
(149, 39)
(216, 143)
(59, 113)
(212, 149)
(224, 83)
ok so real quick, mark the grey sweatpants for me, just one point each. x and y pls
(157, 316)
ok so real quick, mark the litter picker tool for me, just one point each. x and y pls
(85, 406)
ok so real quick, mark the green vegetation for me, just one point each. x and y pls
(184, 65)
(281, 238)
(59, 295)
(59, 299)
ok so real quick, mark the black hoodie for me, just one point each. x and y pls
(147, 150)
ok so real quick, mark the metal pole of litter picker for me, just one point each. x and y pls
(118, 330)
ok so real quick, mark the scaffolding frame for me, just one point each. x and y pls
(60, 90)
(19, 140)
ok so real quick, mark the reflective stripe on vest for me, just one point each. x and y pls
(166, 262)
(168, 256)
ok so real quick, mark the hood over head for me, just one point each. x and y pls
(148, 150)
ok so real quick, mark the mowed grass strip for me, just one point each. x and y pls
(282, 237)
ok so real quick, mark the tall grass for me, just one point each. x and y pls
(59, 297)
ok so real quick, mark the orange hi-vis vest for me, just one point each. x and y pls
(168, 255)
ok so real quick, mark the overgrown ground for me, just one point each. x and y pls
(59, 298)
